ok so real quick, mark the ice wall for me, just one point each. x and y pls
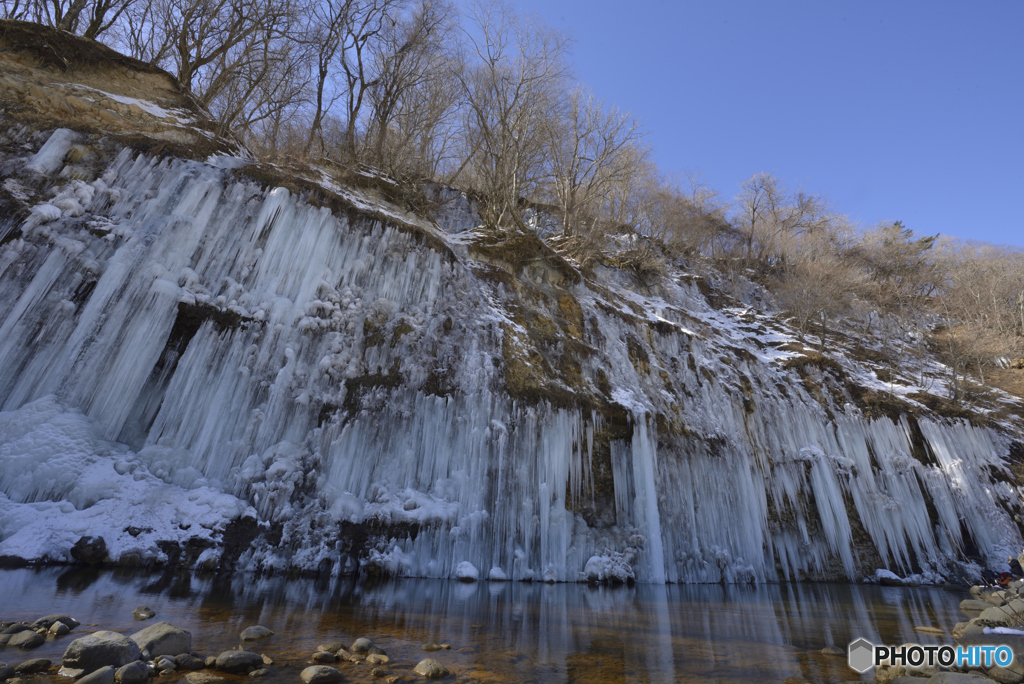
(348, 381)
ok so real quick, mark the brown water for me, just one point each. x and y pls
(499, 631)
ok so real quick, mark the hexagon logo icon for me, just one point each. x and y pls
(861, 655)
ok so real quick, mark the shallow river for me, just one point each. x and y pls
(499, 631)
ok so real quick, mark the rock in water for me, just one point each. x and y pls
(143, 613)
(93, 651)
(163, 638)
(6, 672)
(58, 629)
(377, 659)
(104, 675)
(332, 647)
(361, 645)
(26, 640)
(50, 620)
(323, 657)
(187, 661)
(239, 662)
(320, 674)
(202, 678)
(90, 550)
(256, 632)
(431, 669)
(34, 666)
(833, 651)
(132, 673)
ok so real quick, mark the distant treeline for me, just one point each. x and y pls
(485, 100)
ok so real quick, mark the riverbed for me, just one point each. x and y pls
(498, 631)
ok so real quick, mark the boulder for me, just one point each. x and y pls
(50, 620)
(255, 632)
(6, 672)
(163, 638)
(239, 662)
(361, 645)
(132, 673)
(90, 550)
(34, 666)
(320, 674)
(143, 613)
(323, 657)
(974, 606)
(58, 629)
(104, 675)
(332, 647)
(26, 640)
(995, 614)
(431, 669)
(93, 651)
(377, 659)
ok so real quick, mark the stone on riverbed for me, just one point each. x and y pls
(974, 605)
(431, 669)
(58, 629)
(98, 649)
(143, 613)
(187, 661)
(361, 645)
(50, 620)
(958, 678)
(323, 657)
(431, 647)
(202, 678)
(332, 647)
(239, 662)
(1013, 674)
(163, 638)
(132, 673)
(833, 651)
(104, 675)
(26, 639)
(6, 672)
(34, 666)
(377, 659)
(320, 674)
(256, 632)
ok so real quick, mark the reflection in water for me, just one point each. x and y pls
(509, 631)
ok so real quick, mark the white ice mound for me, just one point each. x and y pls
(467, 572)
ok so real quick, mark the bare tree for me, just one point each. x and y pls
(511, 82)
(770, 217)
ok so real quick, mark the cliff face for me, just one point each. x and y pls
(222, 363)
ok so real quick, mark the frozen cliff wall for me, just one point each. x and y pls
(222, 363)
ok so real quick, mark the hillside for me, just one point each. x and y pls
(300, 366)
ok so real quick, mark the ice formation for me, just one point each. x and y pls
(182, 349)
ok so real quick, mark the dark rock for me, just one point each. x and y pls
(132, 673)
(255, 632)
(430, 647)
(323, 657)
(104, 675)
(361, 645)
(163, 638)
(93, 651)
(50, 620)
(332, 647)
(431, 669)
(211, 661)
(187, 661)
(320, 674)
(90, 550)
(16, 627)
(379, 672)
(26, 640)
(58, 629)
(239, 662)
(260, 672)
(6, 672)
(33, 666)
(376, 650)
(143, 613)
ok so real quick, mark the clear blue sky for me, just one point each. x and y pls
(894, 110)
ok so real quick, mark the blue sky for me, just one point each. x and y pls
(893, 110)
